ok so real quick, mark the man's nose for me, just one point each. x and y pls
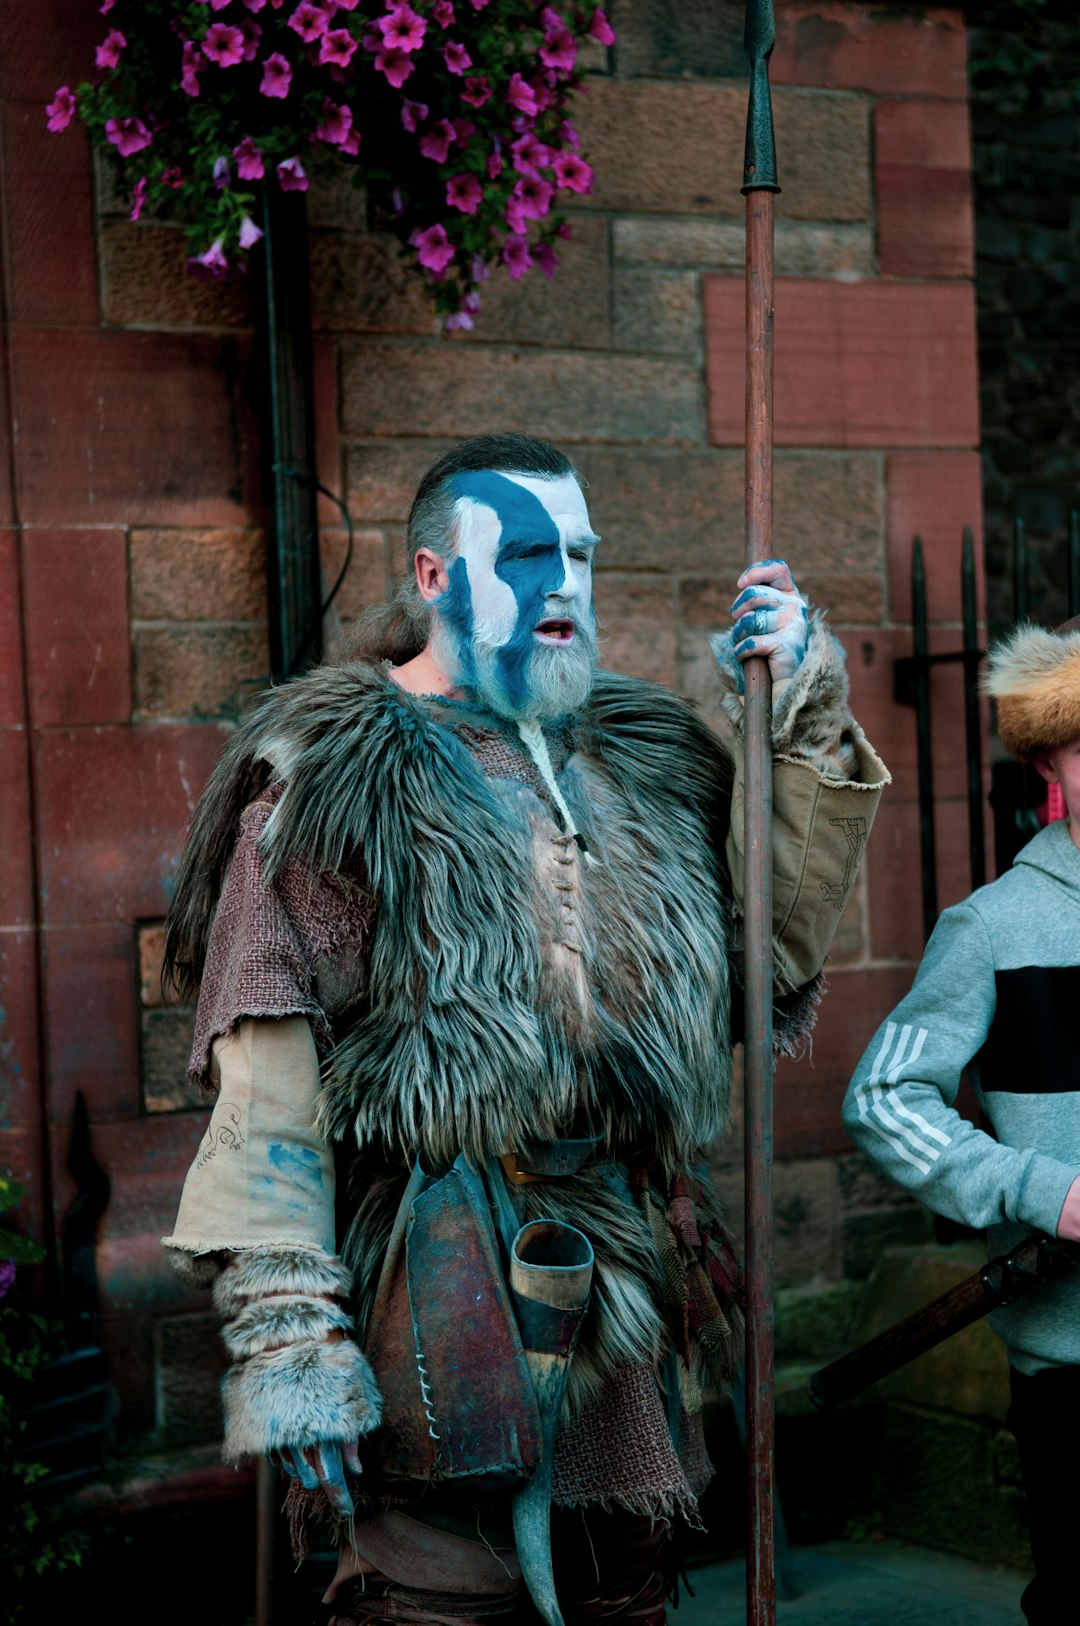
(570, 587)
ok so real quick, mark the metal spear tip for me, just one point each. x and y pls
(760, 33)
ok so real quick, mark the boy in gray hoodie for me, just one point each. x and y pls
(998, 993)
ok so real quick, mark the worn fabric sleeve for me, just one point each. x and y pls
(263, 1176)
(900, 1104)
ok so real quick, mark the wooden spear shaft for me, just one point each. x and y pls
(759, 187)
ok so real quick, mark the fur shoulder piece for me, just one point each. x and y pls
(1035, 678)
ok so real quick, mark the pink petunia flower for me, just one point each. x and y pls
(337, 46)
(567, 135)
(530, 154)
(551, 20)
(106, 6)
(249, 233)
(479, 5)
(216, 5)
(477, 91)
(464, 130)
(572, 174)
(559, 51)
(396, 65)
(516, 256)
(224, 45)
(464, 192)
(61, 110)
(7, 1276)
(443, 13)
(534, 196)
(213, 261)
(494, 165)
(456, 57)
(351, 143)
(347, 5)
(402, 29)
(309, 21)
(254, 5)
(291, 175)
(479, 272)
(601, 29)
(546, 258)
(515, 216)
(413, 115)
(252, 33)
(457, 319)
(434, 249)
(127, 135)
(277, 76)
(543, 95)
(336, 123)
(172, 177)
(438, 141)
(521, 95)
(108, 52)
(191, 66)
(221, 173)
(138, 197)
(249, 161)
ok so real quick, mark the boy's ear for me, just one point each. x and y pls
(1044, 764)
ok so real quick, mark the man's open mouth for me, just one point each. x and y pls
(554, 631)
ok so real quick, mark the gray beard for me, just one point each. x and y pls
(559, 678)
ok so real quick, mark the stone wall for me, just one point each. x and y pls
(131, 572)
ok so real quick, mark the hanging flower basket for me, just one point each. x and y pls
(452, 112)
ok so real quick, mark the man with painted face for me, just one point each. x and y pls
(464, 911)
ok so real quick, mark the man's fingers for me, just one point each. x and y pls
(769, 645)
(281, 1459)
(326, 1460)
(351, 1456)
(775, 572)
(760, 598)
(304, 1470)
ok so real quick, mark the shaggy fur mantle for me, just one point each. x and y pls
(463, 1044)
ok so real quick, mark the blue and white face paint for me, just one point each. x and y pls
(516, 622)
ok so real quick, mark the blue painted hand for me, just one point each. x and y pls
(322, 1464)
(771, 618)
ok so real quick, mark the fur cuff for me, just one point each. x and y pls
(263, 1271)
(266, 1324)
(810, 710)
(196, 1269)
(297, 1395)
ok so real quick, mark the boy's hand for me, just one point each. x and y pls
(771, 617)
(1068, 1226)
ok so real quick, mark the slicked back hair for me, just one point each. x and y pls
(399, 630)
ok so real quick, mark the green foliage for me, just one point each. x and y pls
(29, 1546)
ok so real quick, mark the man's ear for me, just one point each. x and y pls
(431, 576)
(1045, 765)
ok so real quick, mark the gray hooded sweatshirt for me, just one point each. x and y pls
(998, 992)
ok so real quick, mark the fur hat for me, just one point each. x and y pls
(1035, 678)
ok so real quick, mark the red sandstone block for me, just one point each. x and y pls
(20, 1132)
(896, 921)
(133, 428)
(857, 364)
(636, 624)
(932, 495)
(47, 44)
(16, 875)
(91, 1021)
(809, 1092)
(11, 669)
(78, 662)
(113, 807)
(890, 726)
(900, 51)
(147, 1160)
(922, 169)
(50, 215)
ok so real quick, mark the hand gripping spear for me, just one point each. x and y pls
(759, 185)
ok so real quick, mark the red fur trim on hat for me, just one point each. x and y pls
(1035, 678)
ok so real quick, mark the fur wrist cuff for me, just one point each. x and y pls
(270, 1323)
(810, 710)
(297, 1395)
(263, 1271)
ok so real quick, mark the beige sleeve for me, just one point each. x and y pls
(820, 829)
(263, 1176)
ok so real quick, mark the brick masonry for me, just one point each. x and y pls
(132, 608)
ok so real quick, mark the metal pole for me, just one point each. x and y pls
(759, 186)
(924, 754)
(976, 828)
